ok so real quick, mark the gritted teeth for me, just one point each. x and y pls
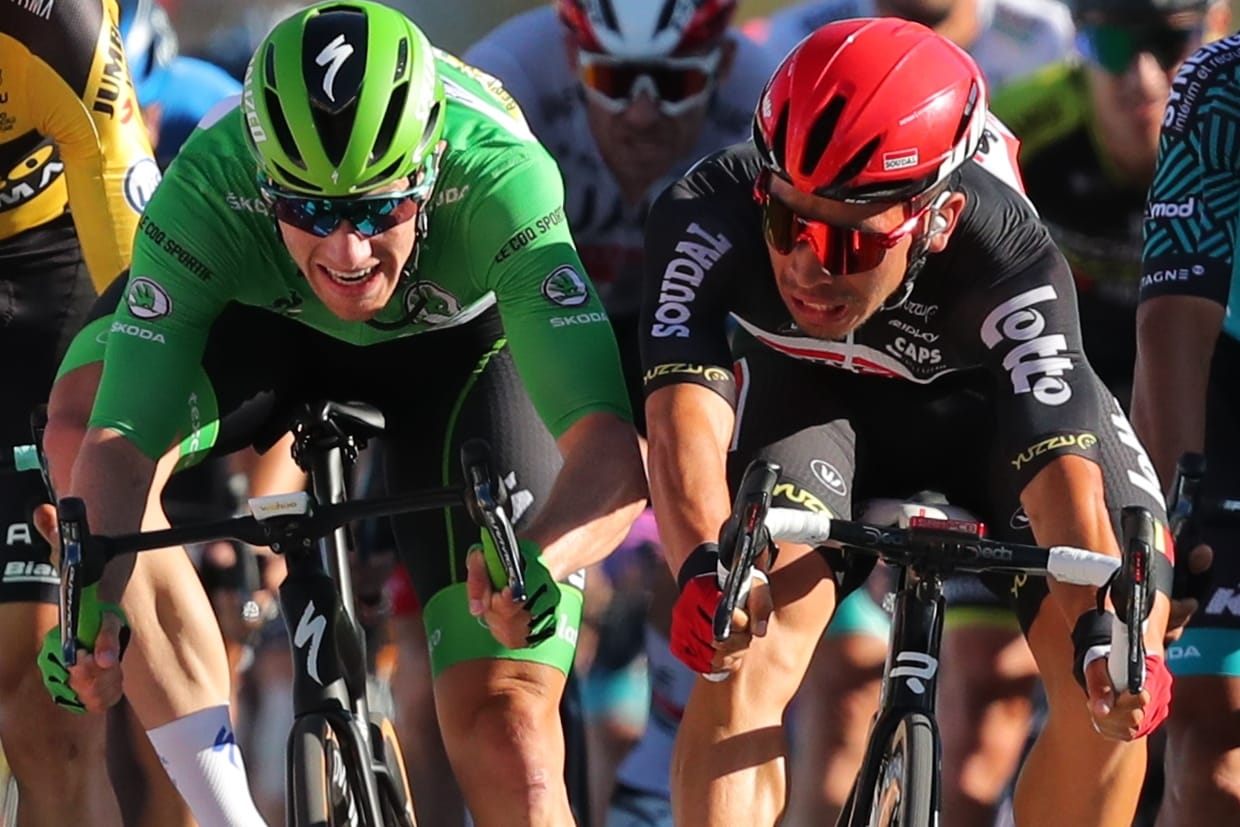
(351, 276)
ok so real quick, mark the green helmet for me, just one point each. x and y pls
(341, 98)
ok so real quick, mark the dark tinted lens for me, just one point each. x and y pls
(369, 216)
(616, 80)
(1114, 48)
(781, 226)
(840, 250)
(675, 85)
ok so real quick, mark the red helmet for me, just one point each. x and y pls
(871, 110)
(646, 29)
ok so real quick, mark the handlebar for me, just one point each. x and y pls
(283, 522)
(950, 544)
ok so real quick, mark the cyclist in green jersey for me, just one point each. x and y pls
(374, 222)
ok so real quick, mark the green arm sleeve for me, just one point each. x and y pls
(560, 336)
(178, 284)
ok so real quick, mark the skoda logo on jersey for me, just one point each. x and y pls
(147, 300)
(565, 287)
(428, 303)
(333, 56)
(140, 181)
(829, 476)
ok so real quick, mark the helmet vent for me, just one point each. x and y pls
(298, 183)
(820, 135)
(855, 164)
(665, 16)
(269, 68)
(383, 176)
(391, 120)
(967, 115)
(609, 15)
(779, 148)
(402, 59)
(335, 129)
(283, 134)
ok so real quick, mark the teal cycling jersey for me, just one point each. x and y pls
(1191, 217)
(495, 235)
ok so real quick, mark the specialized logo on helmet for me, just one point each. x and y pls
(147, 300)
(1036, 363)
(428, 303)
(565, 287)
(333, 56)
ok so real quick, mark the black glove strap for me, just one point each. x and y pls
(702, 560)
(1092, 629)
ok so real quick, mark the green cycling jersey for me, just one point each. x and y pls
(495, 234)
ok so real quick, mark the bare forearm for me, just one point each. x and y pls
(1175, 345)
(597, 495)
(1066, 505)
(113, 478)
(689, 430)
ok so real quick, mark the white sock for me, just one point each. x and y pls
(201, 756)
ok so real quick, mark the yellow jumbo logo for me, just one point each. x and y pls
(31, 175)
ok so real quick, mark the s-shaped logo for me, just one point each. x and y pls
(335, 53)
(310, 630)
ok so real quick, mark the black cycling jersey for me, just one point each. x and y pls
(998, 302)
(969, 387)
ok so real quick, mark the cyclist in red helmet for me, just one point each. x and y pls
(865, 296)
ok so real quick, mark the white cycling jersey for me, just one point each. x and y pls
(648, 766)
(1017, 36)
(528, 55)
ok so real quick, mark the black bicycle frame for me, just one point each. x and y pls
(910, 678)
(327, 643)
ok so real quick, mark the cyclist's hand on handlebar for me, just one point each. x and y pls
(509, 622)
(515, 625)
(95, 682)
(692, 636)
(1184, 606)
(1124, 716)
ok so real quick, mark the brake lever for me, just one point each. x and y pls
(486, 499)
(742, 540)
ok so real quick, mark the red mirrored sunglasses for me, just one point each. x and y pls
(839, 250)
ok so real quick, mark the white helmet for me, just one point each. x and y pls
(646, 29)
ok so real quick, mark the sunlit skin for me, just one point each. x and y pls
(830, 307)
(640, 144)
(347, 251)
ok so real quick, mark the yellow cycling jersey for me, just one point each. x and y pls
(70, 129)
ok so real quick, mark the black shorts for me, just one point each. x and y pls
(436, 390)
(842, 438)
(45, 295)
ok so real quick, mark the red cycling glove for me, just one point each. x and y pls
(1158, 683)
(693, 616)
